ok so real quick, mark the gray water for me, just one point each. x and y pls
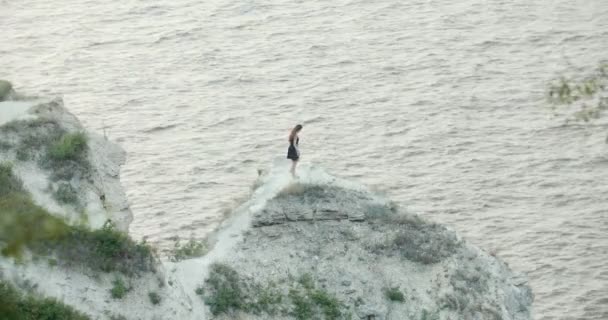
(440, 104)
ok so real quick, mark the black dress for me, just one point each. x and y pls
(292, 152)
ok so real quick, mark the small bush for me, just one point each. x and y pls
(154, 298)
(67, 157)
(302, 306)
(105, 249)
(225, 290)
(17, 306)
(71, 146)
(266, 299)
(23, 224)
(191, 249)
(9, 183)
(394, 294)
(330, 305)
(119, 289)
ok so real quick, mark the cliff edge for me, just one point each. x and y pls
(315, 247)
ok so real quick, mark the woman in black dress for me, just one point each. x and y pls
(293, 152)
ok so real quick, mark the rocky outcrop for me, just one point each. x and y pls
(28, 129)
(364, 254)
(317, 247)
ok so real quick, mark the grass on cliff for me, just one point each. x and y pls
(414, 238)
(67, 156)
(394, 294)
(15, 305)
(23, 224)
(34, 136)
(225, 292)
(191, 249)
(44, 140)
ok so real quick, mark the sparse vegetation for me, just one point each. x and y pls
(67, 157)
(192, 249)
(25, 224)
(154, 298)
(64, 154)
(418, 240)
(9, 183)
(394, 294)
(66, 194)
(34, 136)
(227, 292)
(119, 288)
(71, 146)
(105, 249)
(15, 305)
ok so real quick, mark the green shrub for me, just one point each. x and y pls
(119, 289)
(154, 298)
(225, 290)
(71, 146)
(265, 299)
(67, 157)
(17, 306)
(394, 294)
(9, 183)
(330, 305)
(23, 223)
(191, 249)
(105, 249)
(302, 305)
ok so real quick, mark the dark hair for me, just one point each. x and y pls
(295, 130)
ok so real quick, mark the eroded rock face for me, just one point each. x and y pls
(366, 256)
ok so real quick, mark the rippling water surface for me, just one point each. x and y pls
(438, 103)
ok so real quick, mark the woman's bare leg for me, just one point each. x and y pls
(293, 167)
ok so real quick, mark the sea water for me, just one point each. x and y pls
(439, 104)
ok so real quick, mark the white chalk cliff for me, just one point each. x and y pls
(320, 247)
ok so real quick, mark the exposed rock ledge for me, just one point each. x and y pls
(319, 248)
